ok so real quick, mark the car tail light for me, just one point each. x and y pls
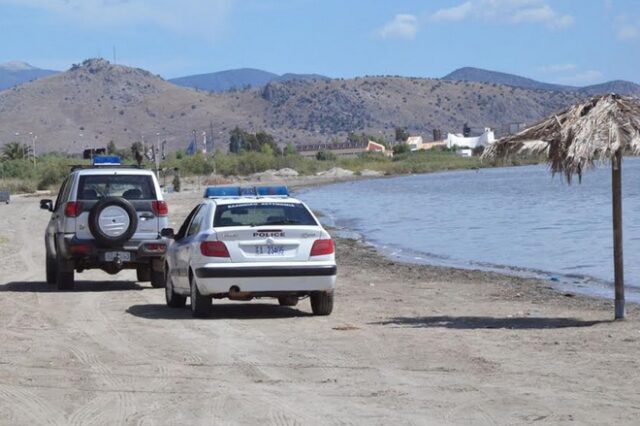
(80, 248)
(214, 249)
(160, 208)
(73, 209)
(155, 248)
(322, 247)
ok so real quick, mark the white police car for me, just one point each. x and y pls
(243, 243)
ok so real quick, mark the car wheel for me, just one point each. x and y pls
(158, 278)
(51, 270)
(113, 221)
(143, 273)
(200, 305)
(288, 300)
(174, 300)
(64, 274)
(322, 302)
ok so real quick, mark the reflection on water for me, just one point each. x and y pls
(517, 220)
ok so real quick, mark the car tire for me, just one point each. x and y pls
(174, 300)
(288, 300)
(143, 273)
(64, 274)
(200, 305)
(321, 302)
(157, 278)
(102, 237)
(51, 269)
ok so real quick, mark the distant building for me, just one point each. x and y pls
(344, 149)
(460, 141)
(414, 142)
(378, 147)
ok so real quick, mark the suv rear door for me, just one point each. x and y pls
(139, 189)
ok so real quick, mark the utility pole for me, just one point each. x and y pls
(156, 155)
(33, 143)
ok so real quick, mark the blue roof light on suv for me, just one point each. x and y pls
(107, 160)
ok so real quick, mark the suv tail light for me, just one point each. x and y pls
(322, 247)
(160, 208)
(73, 209)
(214, 249)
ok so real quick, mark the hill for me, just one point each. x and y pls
(16, 72)
(494, 77)
(238, 79)
(96, 102)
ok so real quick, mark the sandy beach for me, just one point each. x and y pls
(406, 345)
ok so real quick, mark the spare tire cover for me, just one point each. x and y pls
(113, 221)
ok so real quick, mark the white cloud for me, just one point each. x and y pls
(628, 32)
(402, 26)
(456, 13)
(557, 68)
(200, 18)
(582, 78)
(512, 11)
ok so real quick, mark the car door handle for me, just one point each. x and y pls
(146, 216)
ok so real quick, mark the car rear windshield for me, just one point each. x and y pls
(131, 187)
(260, 214)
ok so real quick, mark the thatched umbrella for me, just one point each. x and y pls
(601, 129)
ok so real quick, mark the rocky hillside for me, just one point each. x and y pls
(96, 102)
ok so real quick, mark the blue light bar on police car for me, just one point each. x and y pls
(106, 160)
(222, 191)
(280, 190)
(246, 191)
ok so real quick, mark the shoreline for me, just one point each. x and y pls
(405, 344)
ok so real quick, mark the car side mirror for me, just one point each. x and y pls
(46, 205)
(167, 233)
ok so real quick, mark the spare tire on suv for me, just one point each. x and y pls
(113, 221)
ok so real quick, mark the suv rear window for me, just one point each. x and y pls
(131, 187)
(259, 214)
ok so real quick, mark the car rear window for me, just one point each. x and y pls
(131, 187)
(260, 214)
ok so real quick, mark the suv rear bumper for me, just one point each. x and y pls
(139, 251)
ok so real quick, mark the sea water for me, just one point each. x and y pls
(516, 220)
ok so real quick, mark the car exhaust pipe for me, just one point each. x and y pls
(236, 294)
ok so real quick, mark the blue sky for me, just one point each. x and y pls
(576, 42)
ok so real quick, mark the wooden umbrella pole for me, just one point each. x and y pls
(616, 187)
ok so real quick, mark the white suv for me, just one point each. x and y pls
(241, 243)
(106, 217)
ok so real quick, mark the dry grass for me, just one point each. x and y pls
(574, 139)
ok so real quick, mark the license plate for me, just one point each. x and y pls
(269, 250)
(124, 256)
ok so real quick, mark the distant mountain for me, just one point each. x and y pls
(16, 72)
(96, 102)
(479, 75)
(224, 81)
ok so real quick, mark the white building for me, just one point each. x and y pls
(460, 141)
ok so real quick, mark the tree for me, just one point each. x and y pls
(15, 151)
(325, 155)
(111, 148)
(401, 134)
(236, 141)
(290, 149)
(401, 148)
